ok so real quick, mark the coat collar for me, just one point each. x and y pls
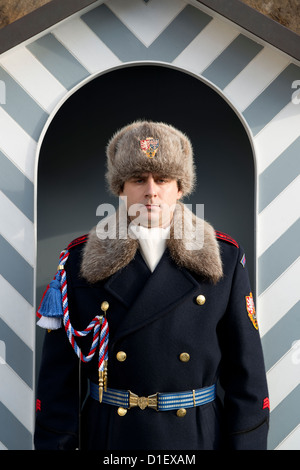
(156, 295)
(192, 245)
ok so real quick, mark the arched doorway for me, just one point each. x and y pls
(71, 182)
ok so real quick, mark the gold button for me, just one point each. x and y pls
(121, 356)
(122, 411)
(104, 306)
(184, 357)
(181, 412)
(200, 300)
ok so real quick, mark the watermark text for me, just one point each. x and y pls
(126, 222)
(296, 94)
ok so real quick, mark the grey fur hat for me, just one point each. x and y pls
(155, 147)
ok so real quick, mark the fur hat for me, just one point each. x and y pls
(155, 147)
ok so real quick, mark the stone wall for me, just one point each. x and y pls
(12, 10)
(285, 12)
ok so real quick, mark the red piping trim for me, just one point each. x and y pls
(77, 241)
(227, 238)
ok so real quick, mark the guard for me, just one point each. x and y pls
(151, 315)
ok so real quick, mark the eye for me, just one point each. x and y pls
(137, 179)
(162, 180)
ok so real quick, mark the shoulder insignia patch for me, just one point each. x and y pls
(251, 310)
(77, 241)
(226, 238)
(243, 260)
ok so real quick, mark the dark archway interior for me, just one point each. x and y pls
(71, 183)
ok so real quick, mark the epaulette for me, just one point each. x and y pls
(226, 238)
(77, 241)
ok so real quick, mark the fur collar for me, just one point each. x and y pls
(200, 254)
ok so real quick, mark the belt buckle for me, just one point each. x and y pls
(143, 402)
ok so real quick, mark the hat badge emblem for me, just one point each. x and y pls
(149, 146)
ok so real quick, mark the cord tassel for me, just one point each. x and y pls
(50, 311)
(55, 307)
(103, 352)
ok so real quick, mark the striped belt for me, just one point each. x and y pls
(158, 401)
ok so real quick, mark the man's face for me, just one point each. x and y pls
(151, 199)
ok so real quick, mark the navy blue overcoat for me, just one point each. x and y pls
(162, 339)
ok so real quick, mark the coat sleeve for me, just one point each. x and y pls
(242, 373)
(57, 410)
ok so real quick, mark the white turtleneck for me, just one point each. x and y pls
(152, 242)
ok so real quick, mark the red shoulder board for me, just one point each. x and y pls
(226, 238)
(77, 241)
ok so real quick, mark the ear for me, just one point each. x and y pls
(179, 192)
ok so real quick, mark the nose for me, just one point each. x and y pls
(151, 188)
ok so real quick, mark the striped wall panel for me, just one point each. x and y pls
(254, 78)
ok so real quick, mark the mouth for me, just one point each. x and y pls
(152, 206)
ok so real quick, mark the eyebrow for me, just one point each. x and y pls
(134, 177)
(145, 175)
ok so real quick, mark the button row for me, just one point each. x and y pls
(180, 413)
(121, 356)
(184, 357)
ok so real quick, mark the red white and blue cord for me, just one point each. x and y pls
(98, 325)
